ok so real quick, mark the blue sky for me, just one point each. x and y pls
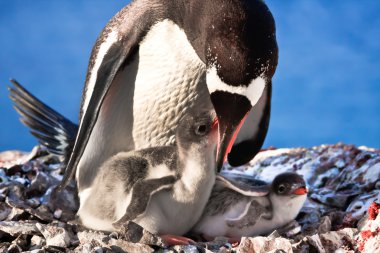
(326, 88)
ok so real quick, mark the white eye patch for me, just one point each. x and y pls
(253, 92)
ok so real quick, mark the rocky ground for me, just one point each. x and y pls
(340, 215)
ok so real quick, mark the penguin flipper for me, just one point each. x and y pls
(142, 192)
(51, 129)
(105, 63)
(254, 211)
(252, 135)
(246, 185)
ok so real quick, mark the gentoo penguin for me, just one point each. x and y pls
(156, 60)
(242, 206)
(164, 189)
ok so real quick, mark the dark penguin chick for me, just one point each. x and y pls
(242, 206)
(164, 189)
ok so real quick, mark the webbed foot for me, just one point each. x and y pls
(176, 240)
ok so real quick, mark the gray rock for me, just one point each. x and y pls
(16, 214)
(41, 183)
(98, 239)
(22, 241)
(359, 206)
(57, 213)
(37, 242)
(14, 248)
(35, 251)
(335, 240)
(124, 246)
(65, 200)
(33, 202)
(5, 211)
(41, 212)
(84, 248)
(133, 232)
(4, 247)
(16, 228)
(88, 236)
(315, 243)
(185, 248)
(219, 244)
(324, 225)
(263, 245)
(54, 235)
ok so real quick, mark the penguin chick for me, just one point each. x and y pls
(163, 189)
(240, 205)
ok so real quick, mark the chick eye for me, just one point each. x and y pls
(281, 188)
(201, 130)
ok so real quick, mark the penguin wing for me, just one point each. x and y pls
(243, 184)
(114, 48)
(252, 134)
(52, 130)
(253, 212)
(142, 192)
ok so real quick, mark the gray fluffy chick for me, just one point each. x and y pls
(163, 189)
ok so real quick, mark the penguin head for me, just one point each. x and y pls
(237, 41)
(289, 184)
(198, 132)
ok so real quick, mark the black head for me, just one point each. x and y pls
(236, 40)
(197, 130)
(288, 183)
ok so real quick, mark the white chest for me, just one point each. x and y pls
(170, 80)
(285, 209)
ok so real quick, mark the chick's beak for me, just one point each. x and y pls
(300, 190)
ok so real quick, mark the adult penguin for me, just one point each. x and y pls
(157, 59)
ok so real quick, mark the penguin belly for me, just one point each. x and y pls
(163, 80)
(165, 216)
(177, 210)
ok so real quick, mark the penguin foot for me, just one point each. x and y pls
(171, 240)
(234, 241)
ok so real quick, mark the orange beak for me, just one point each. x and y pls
(300, 191)
(227, 137)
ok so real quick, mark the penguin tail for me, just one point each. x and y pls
(52, 130)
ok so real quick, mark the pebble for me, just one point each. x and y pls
(37, 242)
(58, 214)
(54, 236)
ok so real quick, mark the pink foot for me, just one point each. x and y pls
(176, 240)
(234, 241)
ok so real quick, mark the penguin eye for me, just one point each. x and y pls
(281, 188)
(201, 130)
